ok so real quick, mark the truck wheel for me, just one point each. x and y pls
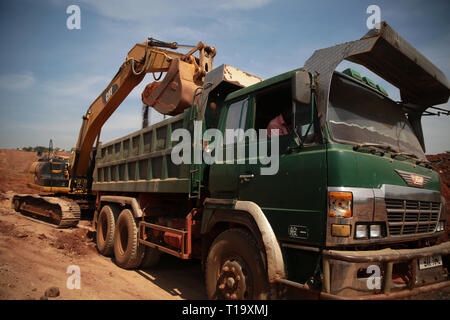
(127, 250)
(106, 224)
(234, 269)
(151, 257)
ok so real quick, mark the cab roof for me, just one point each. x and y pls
(261, 85)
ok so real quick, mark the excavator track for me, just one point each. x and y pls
(63, 213)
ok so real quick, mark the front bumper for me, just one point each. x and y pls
(345, 273)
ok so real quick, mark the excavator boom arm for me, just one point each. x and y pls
(143, 58)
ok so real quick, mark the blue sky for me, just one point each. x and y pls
(49, 75)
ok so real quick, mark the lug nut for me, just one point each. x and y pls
(230, 282)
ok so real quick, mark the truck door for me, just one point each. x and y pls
(294, 198)
(223, 181)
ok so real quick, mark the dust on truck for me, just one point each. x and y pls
(353, 211)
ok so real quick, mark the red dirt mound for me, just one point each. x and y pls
(442, 162)
(444, 170)
(75, 242)
(14, 166)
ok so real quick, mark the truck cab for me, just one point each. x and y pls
(359, 184)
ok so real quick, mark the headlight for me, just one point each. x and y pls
(340, 204)
(361, 231)
(440, 226)
(369, 231)
(375, 231)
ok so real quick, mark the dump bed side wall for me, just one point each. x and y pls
(140, 162)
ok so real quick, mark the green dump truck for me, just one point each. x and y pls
(343, 205)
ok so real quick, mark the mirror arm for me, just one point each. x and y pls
(303, 139)
(312, 120)
(299, 140)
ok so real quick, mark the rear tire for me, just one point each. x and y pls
(234, 268)
(128, 252)
(106, 224)
(16, 203)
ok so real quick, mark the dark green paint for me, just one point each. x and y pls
(365, 170)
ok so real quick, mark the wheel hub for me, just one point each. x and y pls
(232, 281)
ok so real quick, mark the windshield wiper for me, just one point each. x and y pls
(394, 153)
(374, 145)
(412, 156)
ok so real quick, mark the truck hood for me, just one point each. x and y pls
(350, 168)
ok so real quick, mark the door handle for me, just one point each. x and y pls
(246, 177)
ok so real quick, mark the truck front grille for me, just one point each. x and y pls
(406, 217)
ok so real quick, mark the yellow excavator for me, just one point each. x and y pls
(65, 185)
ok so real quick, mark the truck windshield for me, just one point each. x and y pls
(357, 115)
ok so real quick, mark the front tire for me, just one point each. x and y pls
(128, 252)
(234, 268)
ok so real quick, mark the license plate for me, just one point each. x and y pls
(430, 262)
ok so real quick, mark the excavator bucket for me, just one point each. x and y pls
(175, 92)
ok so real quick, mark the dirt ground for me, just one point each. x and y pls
(35, 256)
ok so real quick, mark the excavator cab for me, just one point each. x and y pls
(49, 174)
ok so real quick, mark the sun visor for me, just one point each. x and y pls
(398, 62)
(392, 58)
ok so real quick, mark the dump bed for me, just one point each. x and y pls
(140, 162)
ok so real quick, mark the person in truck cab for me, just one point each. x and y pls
(282, 122)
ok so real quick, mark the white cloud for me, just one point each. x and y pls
(126, 121)
(78, 87)
(243, 4)
(16, 81)
(139, 10)
(123, 121)
(169, 10)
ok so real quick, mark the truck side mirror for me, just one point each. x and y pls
(301, 87)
